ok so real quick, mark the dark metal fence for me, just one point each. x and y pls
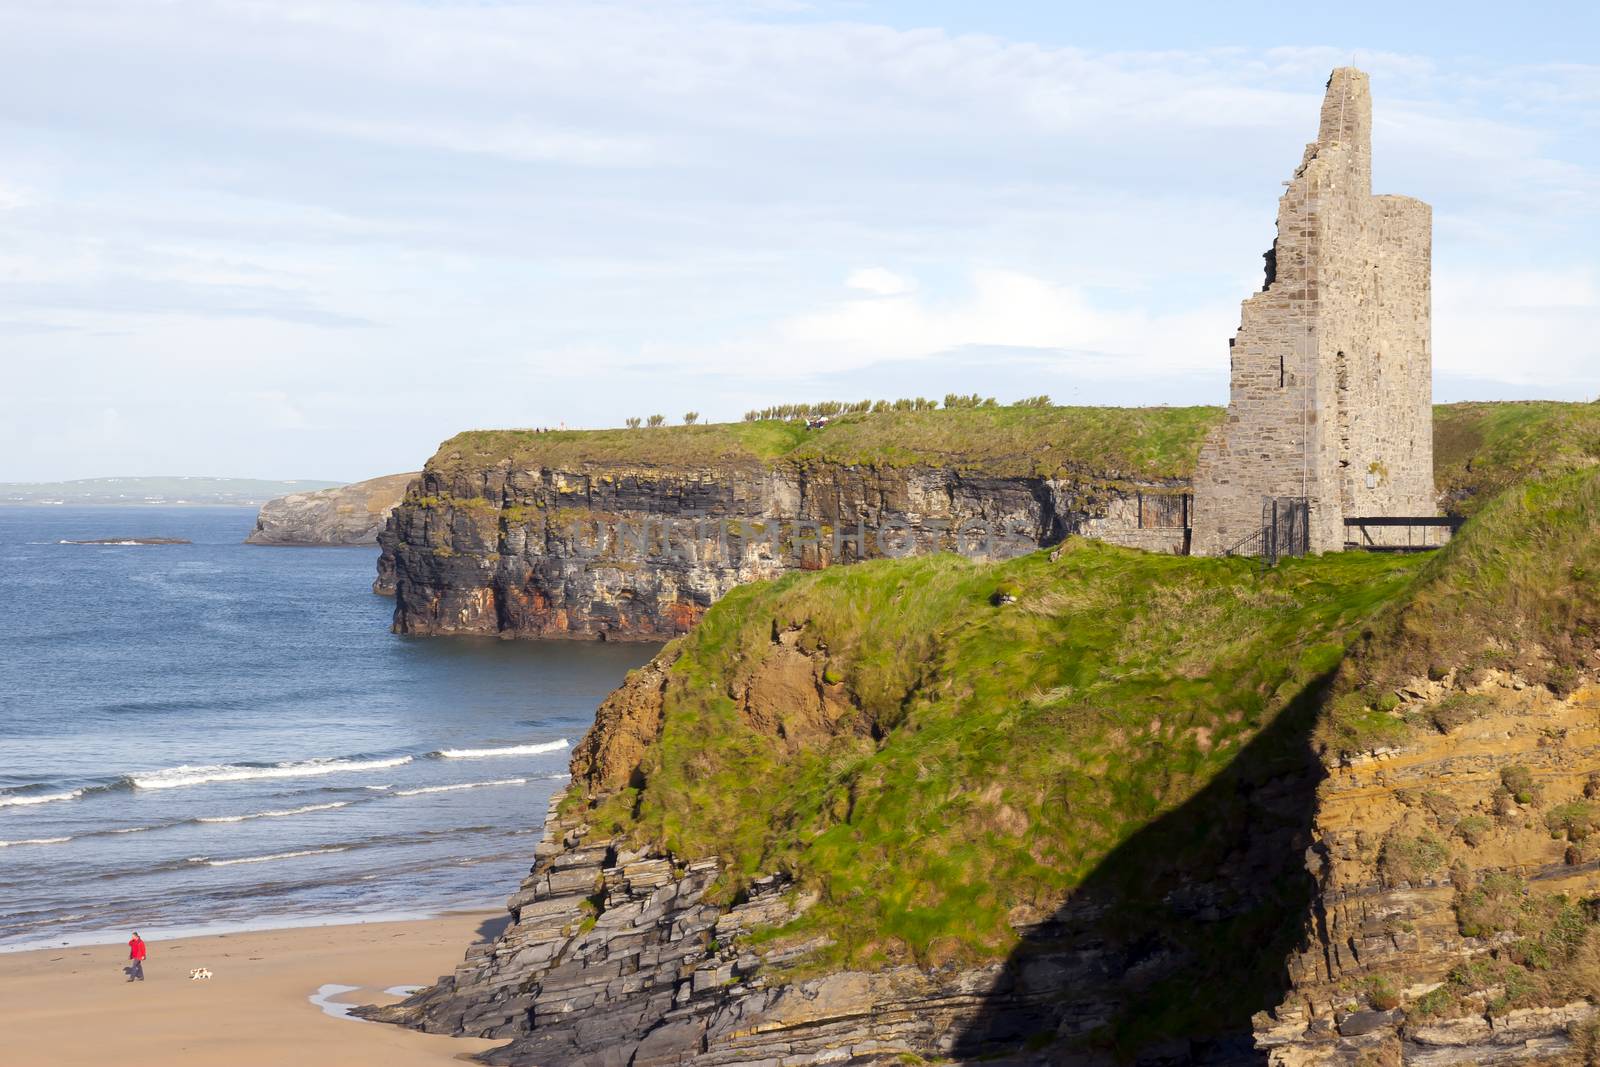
(1285, 531)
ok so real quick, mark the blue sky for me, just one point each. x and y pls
(313, 239)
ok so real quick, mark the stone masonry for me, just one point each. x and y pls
(1331, 370)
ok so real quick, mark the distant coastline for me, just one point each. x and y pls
(156, 491)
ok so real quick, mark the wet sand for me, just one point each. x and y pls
(73, 1006)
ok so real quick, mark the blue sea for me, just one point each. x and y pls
(215, 735)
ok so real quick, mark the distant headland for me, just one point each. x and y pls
(160, 491)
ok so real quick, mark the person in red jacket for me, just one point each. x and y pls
(137, 952)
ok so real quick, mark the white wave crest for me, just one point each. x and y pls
(39, 798)
(513, 750)
(273, 814)
(131, 830)
(453, 788)
(36, 841)
(264, 859)
(173, 777)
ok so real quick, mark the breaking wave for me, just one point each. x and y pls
(264, 859)
(453, 788)
(38, 798)
(513, 750)
(173, 777)
(36, 841)
(273, 814)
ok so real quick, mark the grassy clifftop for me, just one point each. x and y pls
(947, 754)
(932, 757)
(1151, 442)
(1479, 448)
(1518, 591)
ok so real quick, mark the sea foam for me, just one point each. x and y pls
(273, 814)
(453, 788)
(38, 798)
(264, 859)
(36, 841)
(173, 777)
(513, 750)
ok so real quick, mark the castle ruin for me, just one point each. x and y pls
(1330, 402)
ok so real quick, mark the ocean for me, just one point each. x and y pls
(214, 735)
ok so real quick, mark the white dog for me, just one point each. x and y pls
(199, 974)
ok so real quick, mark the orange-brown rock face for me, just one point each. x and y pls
(1452, 924)
(785, 693)
(625, 726)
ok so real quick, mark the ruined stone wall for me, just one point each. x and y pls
(1331, 381)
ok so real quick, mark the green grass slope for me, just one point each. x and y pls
(1519, 590)
(1480, 449)
(995, 753)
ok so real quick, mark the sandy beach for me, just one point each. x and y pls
(73, 1006)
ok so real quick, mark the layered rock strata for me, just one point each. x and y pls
(620, 551)
(1443, 867)
(619, 953)
(615, 958)
(352, 514)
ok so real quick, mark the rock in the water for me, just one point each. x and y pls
(347, 515)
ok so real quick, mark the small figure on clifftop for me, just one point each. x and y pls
(136, 953)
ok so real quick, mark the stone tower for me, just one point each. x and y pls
(1332, 368)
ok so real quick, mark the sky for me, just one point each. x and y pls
(314, 239)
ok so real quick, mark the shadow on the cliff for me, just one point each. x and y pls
(493, 927)
(1183, 931)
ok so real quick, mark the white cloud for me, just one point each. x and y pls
(279, 410)
(516, 140)
(1536, 327)
(995, 309)
(524, 194)
(879, 282)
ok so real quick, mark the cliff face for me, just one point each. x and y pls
(616, 956)
(1454, 916)
(1087, 807)
(634, 533)
(630, 551)
(622, 954)
(1457, 909)
(352, 514)
(882, 811)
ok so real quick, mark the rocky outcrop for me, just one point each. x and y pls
(352, 514)
(617, 957)
(616, 534)
(627, 551)
(1454, 921)
(625, 955)
(620, 952)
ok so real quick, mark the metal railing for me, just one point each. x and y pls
(1285, 530)
(1417, 527)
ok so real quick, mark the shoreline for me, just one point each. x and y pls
(274, 996)
(265, 924)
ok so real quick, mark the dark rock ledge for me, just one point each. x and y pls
(613, 958)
